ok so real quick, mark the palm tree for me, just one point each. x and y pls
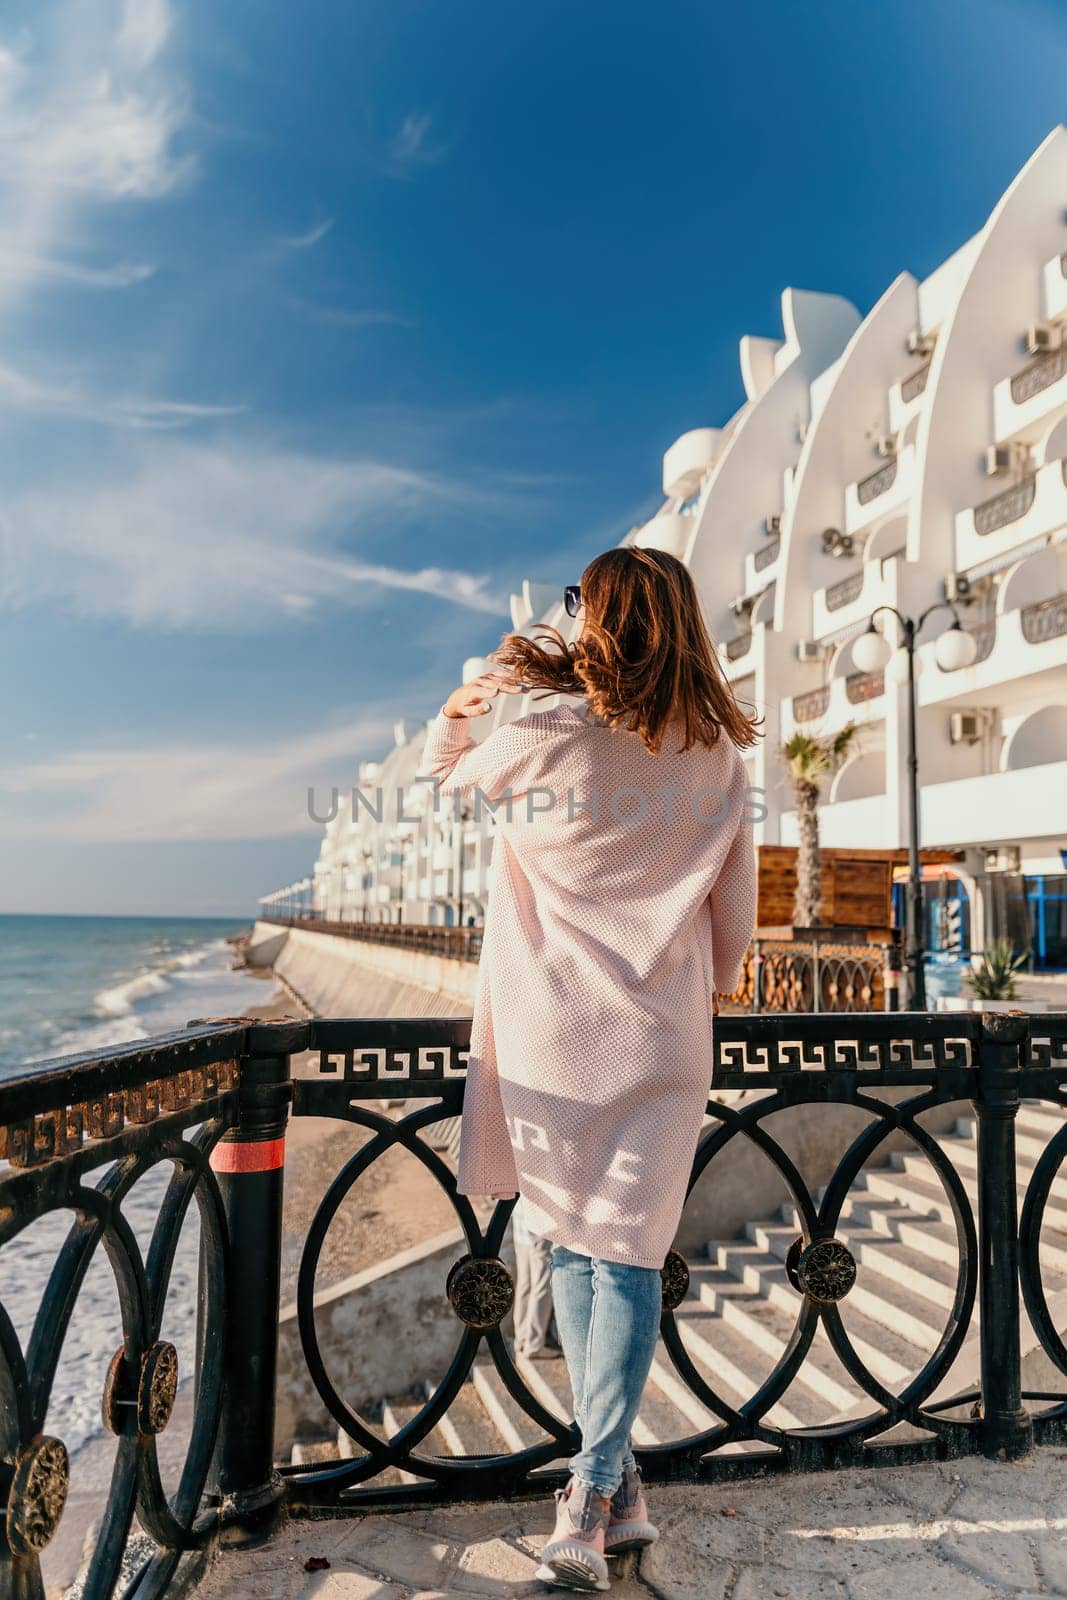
(809, 761)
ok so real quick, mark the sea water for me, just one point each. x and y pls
(69, 984)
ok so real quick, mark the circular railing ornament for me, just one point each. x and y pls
(675, 1276)
(38, 1494)
(157, 1389)
(824, 1270)
(152, 1399)
(480, 1291)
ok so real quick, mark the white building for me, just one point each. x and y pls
(889, 459)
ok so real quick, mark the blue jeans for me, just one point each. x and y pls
(608, 1318)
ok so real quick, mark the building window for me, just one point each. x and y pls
(1046, 901)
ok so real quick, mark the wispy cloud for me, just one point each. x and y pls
(74, 399)
(306, 241)
(90, 112)
(44, 269)
(180, 791)
(344, 316)
(187, 535)
(412, 145)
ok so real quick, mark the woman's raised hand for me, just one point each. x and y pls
(476, 698)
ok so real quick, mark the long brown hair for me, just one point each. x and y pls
(644, 658)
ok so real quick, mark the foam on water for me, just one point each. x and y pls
(115, 987)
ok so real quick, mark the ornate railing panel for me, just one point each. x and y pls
(1038, 375)
(809, 707)
(913, 385)
(214, 1103)
(76, 1137)
(843, 593)
(861, 686)
(877, 483)
(767, 554)
(1006, 507)
(1046, 619)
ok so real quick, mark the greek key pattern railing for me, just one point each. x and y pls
(739, 646)
(913, 386)
(767, 554)
(1038, 375)
(877, 483)
(1006, 507)
(210, 1107)
(842, 594)
(1047, 619)
(861, 686)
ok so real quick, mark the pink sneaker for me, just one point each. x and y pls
(574, 1555)
(628, 1527)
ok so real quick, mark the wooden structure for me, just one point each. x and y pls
(857, 885)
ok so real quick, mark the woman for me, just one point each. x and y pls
(623, 900)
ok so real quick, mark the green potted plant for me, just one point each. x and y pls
(994, 976)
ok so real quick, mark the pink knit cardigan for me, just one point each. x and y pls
(622, 897)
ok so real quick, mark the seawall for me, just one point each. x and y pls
(339, 977)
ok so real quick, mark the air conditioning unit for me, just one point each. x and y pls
(811, 650)
(999, 458)
(966, 727)
(772, 526)
(957, 587)
(1005, 858)
(836, 543)
(1042, 338)
(886, 445)
(920, 344)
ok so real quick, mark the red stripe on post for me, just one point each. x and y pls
(243, 1155)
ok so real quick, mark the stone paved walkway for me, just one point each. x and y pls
(964, 1530)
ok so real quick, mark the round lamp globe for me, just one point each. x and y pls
(955, 649)
(870, 651)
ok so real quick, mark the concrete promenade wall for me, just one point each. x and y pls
(338, 977)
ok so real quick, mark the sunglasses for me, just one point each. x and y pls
(572, 599)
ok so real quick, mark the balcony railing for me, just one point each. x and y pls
(843, 593)
(211, 1105)
(1047, 619)
(1038, 375)
(861, 686)
(1006, 507)
(739, 646)
(913, 386)
(877, 483)
(811, 706)
(767, 554)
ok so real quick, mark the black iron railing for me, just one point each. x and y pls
(462, 944)
(213, 1103)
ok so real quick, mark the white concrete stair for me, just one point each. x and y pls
(741, 1310)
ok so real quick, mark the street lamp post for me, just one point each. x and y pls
(955, 648)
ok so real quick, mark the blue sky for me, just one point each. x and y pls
(322, 326)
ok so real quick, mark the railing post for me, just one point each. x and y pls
(249, 1163)
(1007, 1431)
